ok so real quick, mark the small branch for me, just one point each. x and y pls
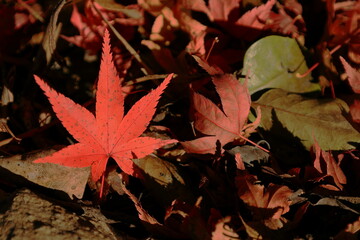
(31, 11)
(128, 47)
(146, 78)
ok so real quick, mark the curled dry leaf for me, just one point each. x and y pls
(325, 163)
(143, 214)
(353, 76)
(266, 202)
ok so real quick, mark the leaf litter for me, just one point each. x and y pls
(288, 173)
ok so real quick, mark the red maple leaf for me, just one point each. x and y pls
(224, 125)
(108, 134)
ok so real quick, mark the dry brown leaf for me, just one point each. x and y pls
(70, 180)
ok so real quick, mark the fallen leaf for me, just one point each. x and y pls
(223, 230)
(163, 180)
(266, 202)
(325, 163)
(142, 213)
(251, 18)
(250, 230)
(110, 133)
(308, 118)
(248, 27)
(163, 172)
(220, 10)
(250, 155)
(187, 219)
(343, 27)
(91, 26)
(353, 75)
(52, 32)
(287, 20)
(355, 110)
(334, 202)
(113, 5)
(279, 72)
(224, 125)
(351, 232)
(48, 175)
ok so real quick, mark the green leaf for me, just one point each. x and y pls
(285, 113)
(273, 62)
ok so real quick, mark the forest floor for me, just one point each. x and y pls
(236, 119)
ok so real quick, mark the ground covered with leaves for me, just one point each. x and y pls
(179, 119)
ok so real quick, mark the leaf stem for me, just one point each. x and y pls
(253, 143)
(102, 185)
(216, 40)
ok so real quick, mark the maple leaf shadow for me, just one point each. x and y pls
(287, 148)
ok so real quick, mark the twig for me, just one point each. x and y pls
(146, 78)
(146, 70)
(31, 11)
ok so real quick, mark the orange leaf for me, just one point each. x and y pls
(267, 202)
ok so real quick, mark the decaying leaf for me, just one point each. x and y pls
(52, 32)
(115, 6)
(326, 164)
(267, 202)
(163, 172)
(351, 232)
(143, 214)
(308, 119)
(250, 155)
(48, 175)
(162, 179)
(335, 202)
(223, 230)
